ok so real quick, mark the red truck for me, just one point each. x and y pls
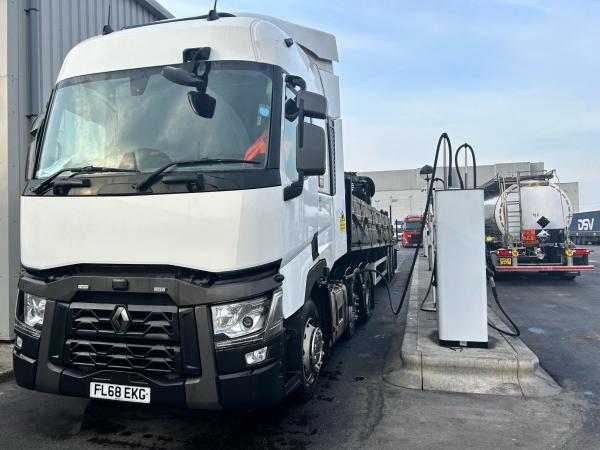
(411, 232)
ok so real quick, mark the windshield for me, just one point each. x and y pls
(139, 120)
(412, 226)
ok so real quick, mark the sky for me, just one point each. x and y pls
(517, 79)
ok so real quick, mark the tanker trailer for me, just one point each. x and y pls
(527, 221)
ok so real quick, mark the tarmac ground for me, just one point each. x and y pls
(354, 407)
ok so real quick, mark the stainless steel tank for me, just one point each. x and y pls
(543, 206)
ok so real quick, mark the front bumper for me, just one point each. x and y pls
(206, 378)
(413, 240)
(225, 380)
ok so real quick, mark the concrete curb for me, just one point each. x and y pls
(6, 374)
(6, 368)
(416, 361)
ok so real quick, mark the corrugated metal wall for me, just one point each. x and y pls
(24, 91)
(65, 23)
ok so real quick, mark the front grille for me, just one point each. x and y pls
(97, 355)
(415, 239)
(147, 322)
(149, 344)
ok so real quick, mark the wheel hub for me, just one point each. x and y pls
(312, 351)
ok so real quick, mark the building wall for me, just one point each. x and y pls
(572, 191)
(11, 62)
(28, 70)
(65, 23)
(404, 190)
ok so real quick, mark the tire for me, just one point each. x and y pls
(568, 277)
(352, 311)
(367, 303)
(309, 351)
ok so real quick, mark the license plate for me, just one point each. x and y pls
(120, 392)
(506, 261)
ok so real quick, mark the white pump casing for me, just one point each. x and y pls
(460, 267)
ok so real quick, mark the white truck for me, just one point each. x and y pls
(188, 234)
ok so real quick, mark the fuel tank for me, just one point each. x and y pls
(539, 205)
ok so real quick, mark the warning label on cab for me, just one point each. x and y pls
(342, 223)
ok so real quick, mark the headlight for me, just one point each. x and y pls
(34, 310)
(248, 321)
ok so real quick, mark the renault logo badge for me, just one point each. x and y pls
(120, 320)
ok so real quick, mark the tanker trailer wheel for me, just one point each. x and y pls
(309, 350)
(366, 298)
(568, 276)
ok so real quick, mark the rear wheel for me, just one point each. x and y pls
(353, 309)
(366, 298)
(562, 276)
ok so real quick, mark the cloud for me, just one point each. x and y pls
(517, 78)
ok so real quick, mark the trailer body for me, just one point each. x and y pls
(203, 247)
(585, 228)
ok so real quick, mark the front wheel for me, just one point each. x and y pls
(312, 350)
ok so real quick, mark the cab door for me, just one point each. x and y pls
(301, 213)
(326, 185)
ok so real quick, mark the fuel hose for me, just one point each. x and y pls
(443, 138)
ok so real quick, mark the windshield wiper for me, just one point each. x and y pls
(153, 177)
(48, 182)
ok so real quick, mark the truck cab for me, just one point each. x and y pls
(183, 226)
(411, 231)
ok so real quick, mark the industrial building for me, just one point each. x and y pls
(35, 36)
(404, 190)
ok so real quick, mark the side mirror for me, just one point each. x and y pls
(182, 77)
(312, 105)
(310, 157)
(31, 151)
(311, 144)
(202, 104)
(36, 125)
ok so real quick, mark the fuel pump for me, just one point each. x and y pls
(458, 259)
(454, 217)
